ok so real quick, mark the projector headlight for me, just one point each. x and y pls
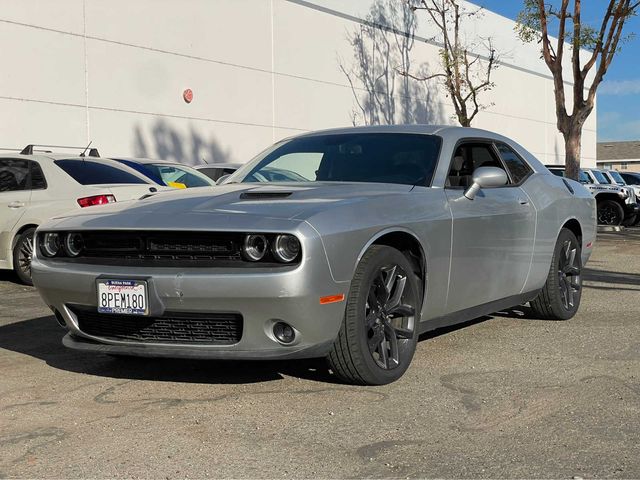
(50, 245)
(73, 244)
(286, 248)
(254, 247)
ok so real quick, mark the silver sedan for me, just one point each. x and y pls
(362, 239)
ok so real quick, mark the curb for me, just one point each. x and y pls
(610, 228)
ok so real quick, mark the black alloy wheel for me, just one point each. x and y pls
(569, 279)
(389, 317)
(610, 213)
(378, 335)
(560, 297)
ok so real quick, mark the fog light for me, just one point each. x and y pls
(284, 332)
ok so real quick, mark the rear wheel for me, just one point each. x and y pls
(610, 212)
(22, 254)
(559, 299)
(378, 335)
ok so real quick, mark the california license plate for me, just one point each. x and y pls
(124, 297)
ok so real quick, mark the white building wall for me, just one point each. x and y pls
(114, 72)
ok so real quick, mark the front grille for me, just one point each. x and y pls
(166, 249)
(172, 327)
(162, 245)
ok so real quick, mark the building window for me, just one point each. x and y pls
(623, 165)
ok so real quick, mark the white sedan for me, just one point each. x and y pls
(36, 186)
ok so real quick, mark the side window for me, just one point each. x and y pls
(38, 182)
(466, 159)
(517, 167)
(14, 174)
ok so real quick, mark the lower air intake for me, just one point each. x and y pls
(172, 327)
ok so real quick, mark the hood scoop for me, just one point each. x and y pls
(264, 195)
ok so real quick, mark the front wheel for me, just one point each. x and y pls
(22, 253)
(378, 335)
(559, 299)
(610, 212)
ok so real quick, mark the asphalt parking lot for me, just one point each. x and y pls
(505, 396)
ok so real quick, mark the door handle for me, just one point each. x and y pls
(523, 201)
(16, 205)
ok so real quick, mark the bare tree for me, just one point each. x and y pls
(534, 23)
(465, 73)
(380, 45)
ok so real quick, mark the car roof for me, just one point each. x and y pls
(217, 165)
(146, 161)
(407, 128)
(48, 156)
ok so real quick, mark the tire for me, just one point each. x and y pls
(22, 253)
(559, 299)
(376, 343)
(610, 212)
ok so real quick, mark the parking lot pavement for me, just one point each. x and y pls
(504, 396)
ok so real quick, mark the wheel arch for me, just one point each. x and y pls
(404, 241)
(610, 196)
(574, 226)
(20, 231)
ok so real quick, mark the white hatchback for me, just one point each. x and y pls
(38, 186)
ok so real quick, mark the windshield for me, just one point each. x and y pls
(631, 179)
(617, 177)
(584, 178)
(600, 177)
(408, 159)
(180, 175)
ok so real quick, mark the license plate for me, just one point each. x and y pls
(124, 297)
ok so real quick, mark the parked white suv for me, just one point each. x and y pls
(611, 200)
(630, 207)
(36, 186)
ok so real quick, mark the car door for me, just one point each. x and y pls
(14, 200)
(492, 235)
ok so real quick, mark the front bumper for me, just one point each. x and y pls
(261, 295)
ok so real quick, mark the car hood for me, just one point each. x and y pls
(196, 208)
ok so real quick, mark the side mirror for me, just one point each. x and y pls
(486, 177)
(221, 180)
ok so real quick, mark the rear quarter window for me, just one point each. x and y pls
(87, 172)
(38, 180)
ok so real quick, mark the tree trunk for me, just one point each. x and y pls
(572, 146)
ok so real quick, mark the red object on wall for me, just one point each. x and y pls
(187, 95)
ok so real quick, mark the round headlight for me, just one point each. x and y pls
(73, 244)
(50, 244)
(255, 246)
(286, 248)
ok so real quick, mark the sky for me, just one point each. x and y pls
(618, 104)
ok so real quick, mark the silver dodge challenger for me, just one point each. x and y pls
(345, 244)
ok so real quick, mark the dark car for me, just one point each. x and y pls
(170, 174)
(215, 171)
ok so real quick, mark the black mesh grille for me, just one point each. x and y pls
(172, 327)
(166, 249)
(134, 245)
